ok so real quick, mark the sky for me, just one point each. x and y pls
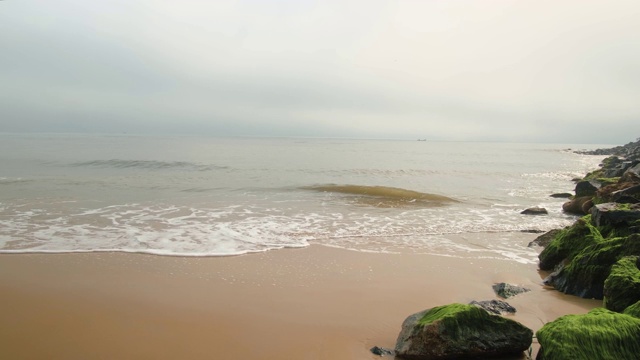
(482, 70)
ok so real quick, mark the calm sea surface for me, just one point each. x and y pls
(200, 196)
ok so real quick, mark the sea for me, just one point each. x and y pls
(211, 196)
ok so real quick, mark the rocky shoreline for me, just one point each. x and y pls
(597, 257)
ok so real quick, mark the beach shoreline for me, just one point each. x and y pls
(316, 302)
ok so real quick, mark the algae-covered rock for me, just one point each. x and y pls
(459, 331)
(615, 214)
(584, 276)
(600, 334)
(633, 310)
(622, 287)
(567, 243)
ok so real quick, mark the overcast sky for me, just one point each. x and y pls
(519, 70)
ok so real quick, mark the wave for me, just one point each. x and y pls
(384, 196)
(147, 164)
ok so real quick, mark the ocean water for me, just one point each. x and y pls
(206, 196)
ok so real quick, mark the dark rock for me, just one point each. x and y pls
(532, 231)
(381, 351)
(586, 188)
(575, 206)
(544, 239)
(629, 195)
(600, 334)
(561, 195)
(632, 174)
(622, 287)
(535, 211)
(458, 331)
(613, 192)
(615, 214)
(497, 307)
(506, 291)
(586, 206)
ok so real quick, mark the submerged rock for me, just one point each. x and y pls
(459, 331)
(600, 334)
(561, 195)
(622, 287)
(497, 307)
(506, 291)
(381, 351)
(535, 211)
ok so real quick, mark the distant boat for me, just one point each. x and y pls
(422, 139)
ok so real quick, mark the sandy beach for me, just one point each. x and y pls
(310, 303)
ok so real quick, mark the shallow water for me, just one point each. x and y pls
(199, 196)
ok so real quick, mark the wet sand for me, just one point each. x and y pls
(311, 303)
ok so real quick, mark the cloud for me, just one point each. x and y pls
(460, 70)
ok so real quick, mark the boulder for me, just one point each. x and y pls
(615, 214)
(599, 334)
(622, 287)
(506, 291)
(497, 307)
(632, 174)
(544, 239)
(535, 211)
(586, 188)
(585, 273)
(576, 205)
(633, 310)
(566, 244)
(629, 195)
(459, 331)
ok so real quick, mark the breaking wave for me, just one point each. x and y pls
(384, 196)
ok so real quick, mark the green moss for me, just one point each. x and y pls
(594, 175)
(464, 321)
(569, 242)
(607, 181)
(600, 334)
(622, 287)
(633, 310)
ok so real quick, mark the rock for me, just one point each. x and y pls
(381, 351)
(544, 239)
(585, 273)
(506, 291)
(566, 244)
(561, 195)
(495, 306)
(615, 214)
(633, 310)
(622, 287)
(575, 206)
(613, 192)
(632, 174)
(629, 195)
(459, 331)
(586, 188)
(586, 206)
(535, 211)
(599, 334)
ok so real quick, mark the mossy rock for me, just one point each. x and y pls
(622, 287)
(585, 275)
(600, 334)
(633, 310)
(568, 242)
(459, 331)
